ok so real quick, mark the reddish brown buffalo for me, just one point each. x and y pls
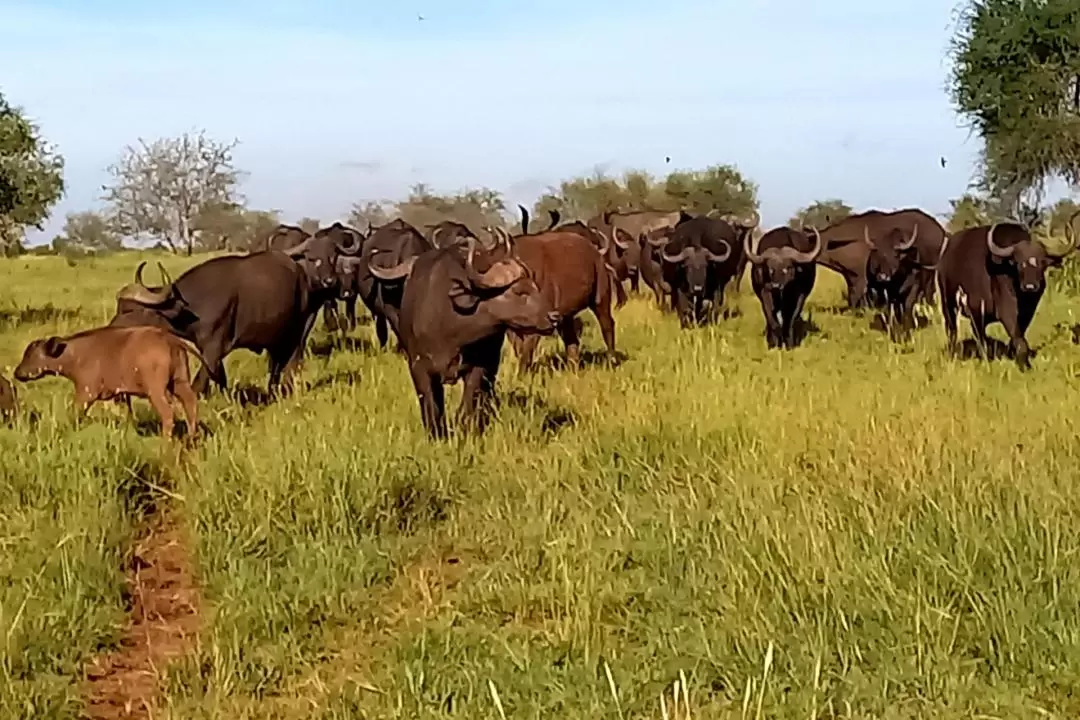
(8, 401)
(118, 363)
(573, 276)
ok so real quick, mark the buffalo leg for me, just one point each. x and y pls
(527, 351)
(429, 393)
(350, 312)
(635, 281)
(160, 402)
(607, 325)
(330, 316)
(186, 395)
(856, 292)
(1009, 314)
(773, 329)
(683, 307)
(569, 332)
(794, 319)
(478, 397)
(215, 356)
(382, 331)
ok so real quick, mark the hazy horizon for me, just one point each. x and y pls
(336, 103)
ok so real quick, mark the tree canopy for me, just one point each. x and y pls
(160, 190)
(1015, 79)
(31, 176)
(820, 214)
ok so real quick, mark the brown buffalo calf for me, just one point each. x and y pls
(118, 363)
(8, 402)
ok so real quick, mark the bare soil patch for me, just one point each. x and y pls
(163, 621)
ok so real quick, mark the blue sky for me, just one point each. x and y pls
(335, 102)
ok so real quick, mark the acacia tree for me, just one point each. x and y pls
(31, 177)
(1016, 80)
(160, 189)
(87, 231)
(821, 214)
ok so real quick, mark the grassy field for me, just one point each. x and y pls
(853, 529)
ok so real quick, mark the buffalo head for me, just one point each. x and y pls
(780, 263)
(318, 254)
(695, 263)
(41, 358)
(885, 258)
(1029, 257)
(162, 306)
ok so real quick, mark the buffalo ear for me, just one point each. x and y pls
(463, 297)
(54, 347)
(1054, 260)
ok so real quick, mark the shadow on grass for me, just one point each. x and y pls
(340, 377)
(554, 418)
(995, 350)
(589, 358)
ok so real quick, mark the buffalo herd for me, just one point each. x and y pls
(450, 296)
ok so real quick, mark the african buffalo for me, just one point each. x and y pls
(623, 230)
(455, 310)
(260, 302)
(782, 273)
(118, 363)
(447, 233)
(573, 276)
(995, 273)
(701, 256)
(381, 269)
(850, 243)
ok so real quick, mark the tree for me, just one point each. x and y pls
(718, 189)
(968, 211)
(370, 213)
(1060, 214)
(159, 190)
(31, 177)
(1016, 80)
(232, 227)
(821, 214)
(87, 232)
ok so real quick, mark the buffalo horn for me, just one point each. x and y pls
(524, 220)
(555, 218)
(812, 256)
(297, 250)
(395, 272)
(713, 257)
(910, 242)
(659, 242)
(754, 221)
(750, 254)
(138, 292)
(866, 236)
(350, 248)
(997, 250)
(680, 257)
(615, 239)
(500, 275)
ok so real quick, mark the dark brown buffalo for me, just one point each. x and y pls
(573, 277)
(281, 238)
(782, 273)
(380, 273)
(865, 244)
(995, 273)
(9, 403)
(457, 305)
(651, 264)
(700, 257)
(623, 231)
(447, 233)
(260, 302)
(118, 363)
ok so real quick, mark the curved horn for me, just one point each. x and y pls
(555, 218)
(750, 254)
(677, 258)
(299, 249)
(353, 247)
(910, 242)
(755, 220)
(997, 250)
(941, 254)
(615, 239)
(713, 257)
(866, 235)
(524, 220)
(138, 292)
(659, 242)
(434, 231)
(500, 275)
(395, 272)
(605, 244)
(165, 279)
(812, 256)
(138, 274)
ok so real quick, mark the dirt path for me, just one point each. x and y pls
(163, 620)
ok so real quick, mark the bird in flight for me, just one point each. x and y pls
(943, 161)
(419, 17)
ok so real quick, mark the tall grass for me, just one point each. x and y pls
(851, 529)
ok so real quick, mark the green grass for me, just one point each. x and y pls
(853, 529)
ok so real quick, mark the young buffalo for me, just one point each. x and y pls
(118, 363)
(783, 275)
